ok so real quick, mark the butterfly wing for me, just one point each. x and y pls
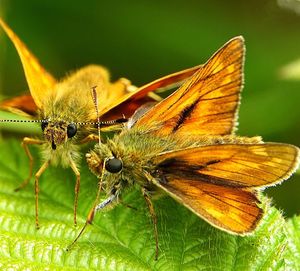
(21, 105)
(126, 104)
(218, 182)
(230, 209)
(234, 165)
(38, 79)
(208, 102)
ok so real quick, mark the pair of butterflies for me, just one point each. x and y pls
(184, 145)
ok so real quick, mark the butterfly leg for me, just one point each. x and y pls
(26, 141)
(73, 166)
(97, 206)
(89, 138)
(127, 87)
(36, 189)
(153, 217)
(77, 187)
(123, 85)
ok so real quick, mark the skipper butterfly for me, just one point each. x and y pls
(186, 146)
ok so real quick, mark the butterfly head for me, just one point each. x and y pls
(126, 159)
(58, 132)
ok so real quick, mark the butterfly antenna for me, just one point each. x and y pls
(98, 123)
(95, 100)
(21, 121)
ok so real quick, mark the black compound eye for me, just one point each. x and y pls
(113, 165)
(71, 130)
(44, 124)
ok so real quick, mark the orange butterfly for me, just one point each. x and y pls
(185, 146)
(65, 108)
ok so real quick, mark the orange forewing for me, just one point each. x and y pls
(230, 209)
(235, 165)
(207, 103)
(38, 79)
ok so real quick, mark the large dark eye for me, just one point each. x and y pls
(44, 124)
(113, 165)
(71, 130)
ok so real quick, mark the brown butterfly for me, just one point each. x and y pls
(66, 111)
(185, 146)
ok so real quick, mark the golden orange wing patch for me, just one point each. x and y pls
(207, 103)
(38, 79)
(237, 165)
(230, 209)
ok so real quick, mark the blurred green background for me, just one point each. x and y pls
(143, 40)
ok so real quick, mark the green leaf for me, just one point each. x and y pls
(121, 238)
(293, 249)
